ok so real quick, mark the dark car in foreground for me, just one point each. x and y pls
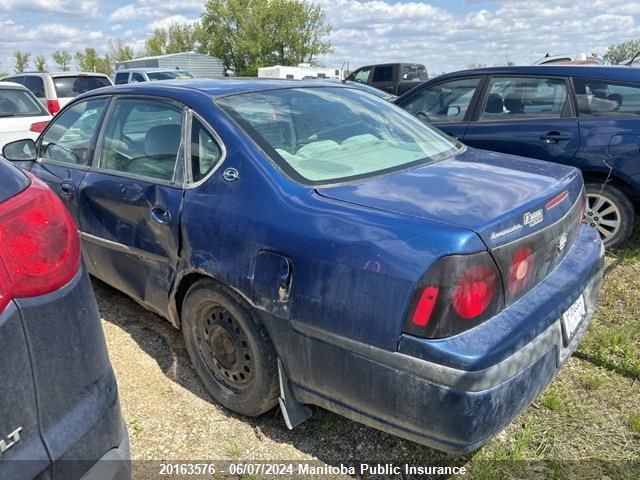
(584, 116)
(318, 245)
(59, 415)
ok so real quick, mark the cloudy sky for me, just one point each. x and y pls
(445, 35)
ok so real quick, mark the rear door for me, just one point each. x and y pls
(130, 202)
(447, 105)
(66, 147)
(527, 116)
(609, 126)
(384, 77)
(19, 430)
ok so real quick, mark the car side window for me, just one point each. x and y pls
(205, 151)
(383, 74)
(36, 85)
(122, 78)
(143, 137)
(362, 75)
(136, 77)
(69, 137)
(599, 98)
(524, 98)
(444, 102)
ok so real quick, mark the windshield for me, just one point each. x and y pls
(326, 134)
(16, 102)
(170, 75)
(74, 86)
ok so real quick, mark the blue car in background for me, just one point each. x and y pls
(318, 245)
(584, 116)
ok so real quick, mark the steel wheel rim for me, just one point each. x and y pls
(224, 348)
(603, 215)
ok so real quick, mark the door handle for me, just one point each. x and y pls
(67, 189)
(160, 215)
(554, 137)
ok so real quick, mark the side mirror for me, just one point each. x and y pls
(20, 151)
(453, 111)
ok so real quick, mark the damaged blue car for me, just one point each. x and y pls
(318, 245)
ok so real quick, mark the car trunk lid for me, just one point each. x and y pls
(500, 197)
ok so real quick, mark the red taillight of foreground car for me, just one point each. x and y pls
(39, 244)
(53, 106)
(38, 127)
(457, 293)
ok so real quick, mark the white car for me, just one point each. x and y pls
(55, 90)
(21, 114)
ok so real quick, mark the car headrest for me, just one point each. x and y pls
(514, 104)
(7, 106)
(163, 140)
(494, 104)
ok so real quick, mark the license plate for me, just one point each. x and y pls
(571, 319)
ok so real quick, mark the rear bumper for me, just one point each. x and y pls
(458, 408)
(115, 464)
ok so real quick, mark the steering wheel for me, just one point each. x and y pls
(130, 143)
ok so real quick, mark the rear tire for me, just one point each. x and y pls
(230, 349)
(610, 212)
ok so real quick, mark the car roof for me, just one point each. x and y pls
(57, 74)
(605, 72)
(213, 88)
(150, 69)
(13, 85)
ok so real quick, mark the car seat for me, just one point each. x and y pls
(161, 145)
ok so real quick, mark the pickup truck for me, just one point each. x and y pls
(395, 78)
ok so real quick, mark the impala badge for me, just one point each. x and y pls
(10, 441)
(230, 174)
(533, 218)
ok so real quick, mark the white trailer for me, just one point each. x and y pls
(301, 72)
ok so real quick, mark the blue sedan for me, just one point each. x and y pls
(318, 245)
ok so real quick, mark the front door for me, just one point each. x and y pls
(66, 148)
(527, 116)
(130, 202)
(446, 105)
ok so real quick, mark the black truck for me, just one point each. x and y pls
(395, 78)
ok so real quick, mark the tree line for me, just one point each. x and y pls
(244, 34)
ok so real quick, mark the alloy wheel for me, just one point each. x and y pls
(603, 215)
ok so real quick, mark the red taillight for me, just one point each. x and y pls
(425, 306)
(38, 127)
(39, 244)
(554, 202)
(456, 294)
(53, 106)
(520, 270)
(474, 291)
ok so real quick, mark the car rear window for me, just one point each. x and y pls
(18, 103)
(177, 74)
(323, 134)
(75, 85)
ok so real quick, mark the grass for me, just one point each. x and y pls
(634, 422)
(233, 450)
(135, 428)
(552, 401)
